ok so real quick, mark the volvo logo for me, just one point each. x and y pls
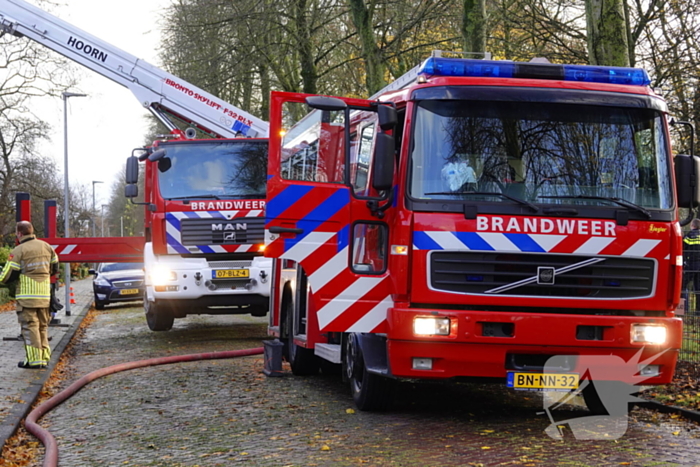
(545, 275)
(231, 226)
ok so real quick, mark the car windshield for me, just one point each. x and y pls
(543, 153)
(213, 169)
(111, 267)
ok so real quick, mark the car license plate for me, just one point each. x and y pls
(128, 291)
(229, 273)
(542, 381)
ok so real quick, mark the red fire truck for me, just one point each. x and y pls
(474, 220)
(204, 198)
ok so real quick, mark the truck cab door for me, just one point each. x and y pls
(324, 211)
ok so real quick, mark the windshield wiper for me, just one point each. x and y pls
(489, 193)
(618, 201)
(195, 197)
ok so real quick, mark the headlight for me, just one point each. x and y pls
(101, 282)
(425, 326)
(161, 275)
(648, 334)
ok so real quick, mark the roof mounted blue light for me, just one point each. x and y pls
(440, 66)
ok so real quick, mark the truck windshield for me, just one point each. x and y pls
(226, 169)
(541, 153)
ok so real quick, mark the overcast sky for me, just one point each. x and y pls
(104, 127)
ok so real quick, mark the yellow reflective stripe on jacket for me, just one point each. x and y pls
(29, 288)
(692, 240)
(9, 267)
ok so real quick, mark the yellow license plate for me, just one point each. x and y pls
(229, 273)
(128, 291)
(542, 381)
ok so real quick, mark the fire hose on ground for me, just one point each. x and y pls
(47, 439)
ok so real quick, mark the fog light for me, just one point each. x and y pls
(422, 363)
(167, 288)
(649, 370)
(648, 334)
(425, 326)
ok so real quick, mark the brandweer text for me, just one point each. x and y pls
(227, 205)
(546, 226)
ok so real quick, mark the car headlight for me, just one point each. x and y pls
(101, 282)
(160, 275)
(648, 334)
(429, 326)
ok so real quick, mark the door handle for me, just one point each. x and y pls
(281, 230)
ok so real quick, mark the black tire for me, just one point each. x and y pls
(158, 316)
(592, 400)
(303, 361)
(99, 305)
(618, 395)
(370, 392)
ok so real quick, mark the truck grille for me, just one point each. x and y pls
(503, 274)
(242, 231)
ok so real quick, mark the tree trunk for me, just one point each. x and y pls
(309, 75)
(474, 25)
(607, 33)
(375, 67)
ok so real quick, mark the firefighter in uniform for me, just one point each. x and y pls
(691, 257)
(33, 261)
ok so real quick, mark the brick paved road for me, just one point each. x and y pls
(226, 412)
(19, 387)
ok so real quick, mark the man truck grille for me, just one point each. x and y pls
(243, 231)
(541, 275)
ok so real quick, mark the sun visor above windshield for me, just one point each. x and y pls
(524, 94)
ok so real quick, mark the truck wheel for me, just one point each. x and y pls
(158, 316)
(370, 392)
(617, 398)
(303, 361)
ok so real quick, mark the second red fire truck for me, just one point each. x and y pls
(475, 220)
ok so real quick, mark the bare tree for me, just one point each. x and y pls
(26, 71)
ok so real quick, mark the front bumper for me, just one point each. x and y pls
(196, 282)
(473, 349)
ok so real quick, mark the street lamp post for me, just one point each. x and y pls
(103, 218)
(93, 205)
(66, 223)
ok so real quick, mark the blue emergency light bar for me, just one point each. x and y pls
(440, 66)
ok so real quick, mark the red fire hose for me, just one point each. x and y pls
(47, 439)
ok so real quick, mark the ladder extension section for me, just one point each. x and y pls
(157, 90)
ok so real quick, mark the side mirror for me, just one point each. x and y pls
(383, 162)
(92, 272)
(131, 191)
(687, 171)
(387, 116)
(326, 103)
(157, 155)
(132, 170)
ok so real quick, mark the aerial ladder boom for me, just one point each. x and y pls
(163, 94)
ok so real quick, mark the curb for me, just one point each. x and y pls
(672, 409)
(20, 410)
